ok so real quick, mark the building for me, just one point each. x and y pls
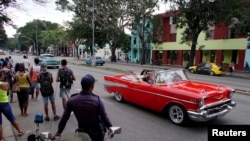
(221, 46)
(145, 30)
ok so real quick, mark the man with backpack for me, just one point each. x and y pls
(34, 72)
(45, 79)
(66, 77)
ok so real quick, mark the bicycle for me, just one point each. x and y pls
(77, 136)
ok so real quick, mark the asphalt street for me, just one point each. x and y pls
(10, 134)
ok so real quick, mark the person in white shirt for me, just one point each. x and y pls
(26, 63)
(34, 72)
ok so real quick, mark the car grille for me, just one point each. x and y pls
(216, 109)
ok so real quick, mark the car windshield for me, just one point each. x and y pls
(170, 76)
(47, 55)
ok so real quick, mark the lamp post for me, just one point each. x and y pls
(37, 50)
(19, 45)
(93, 30)
(29, 39)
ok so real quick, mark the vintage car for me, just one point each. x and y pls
(98, 61)
(208, 69)
(50, 60)
(173, 94)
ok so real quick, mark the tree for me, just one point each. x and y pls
(110, 17)
(3, 36)
(195, 16)
(53, 38)
(141, 12)
(34, 29)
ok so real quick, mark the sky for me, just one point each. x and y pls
(32, 11)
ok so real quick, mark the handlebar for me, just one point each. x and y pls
(81, 136)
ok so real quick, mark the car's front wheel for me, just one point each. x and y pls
(192, 71)
(118, 97)
(177, 114)
(211, 73)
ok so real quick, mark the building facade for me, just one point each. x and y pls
(218, 45)
(135, 54)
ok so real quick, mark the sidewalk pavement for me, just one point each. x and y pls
(10, 134)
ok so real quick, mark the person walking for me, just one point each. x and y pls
(231, 67)
(24, 82)
(5, 108)
(45, 78)
(34, 72)
(8, 77)
(88, 109)
(66, 77)
(26, 62)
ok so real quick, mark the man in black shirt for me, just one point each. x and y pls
(88, 110)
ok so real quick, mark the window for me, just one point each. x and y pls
(135, 40)
(173, 37)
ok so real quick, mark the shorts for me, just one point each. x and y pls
(6, 110)
(46, 99)
(64, 93)
(35, 85)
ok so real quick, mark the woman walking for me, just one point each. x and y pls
(8, 77)
(5, 108)
(23, 80)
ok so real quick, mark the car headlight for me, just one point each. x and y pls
(202, 102)
(231, 93)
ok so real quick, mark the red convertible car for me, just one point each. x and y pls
(172, 93)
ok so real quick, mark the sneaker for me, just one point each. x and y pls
(47, 119)
(56, 118)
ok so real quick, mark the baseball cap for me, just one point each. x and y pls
(88, 80)
(44, 66)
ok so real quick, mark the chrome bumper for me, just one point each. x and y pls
(212, 113)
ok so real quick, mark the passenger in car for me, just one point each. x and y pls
(148, 77)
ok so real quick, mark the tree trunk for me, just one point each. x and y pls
(113, 56)
(192, 52)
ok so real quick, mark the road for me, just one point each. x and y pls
(138, 124)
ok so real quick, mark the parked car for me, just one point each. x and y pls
(2, 52)
(173, 94)
(208, 68)
(98, 60)
(50, 60)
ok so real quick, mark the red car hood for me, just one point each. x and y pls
(212, 92)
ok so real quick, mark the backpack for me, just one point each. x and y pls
(35, 73)
(65, 76)
(45, 83)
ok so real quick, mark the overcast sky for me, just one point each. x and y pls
(34, 11)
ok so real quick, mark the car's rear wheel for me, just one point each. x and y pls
(192, 71)
(177, 114)
(118, 97)
(211, 73)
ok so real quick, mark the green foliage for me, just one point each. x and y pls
(53, 38)
(43, 32)
(111, 19)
